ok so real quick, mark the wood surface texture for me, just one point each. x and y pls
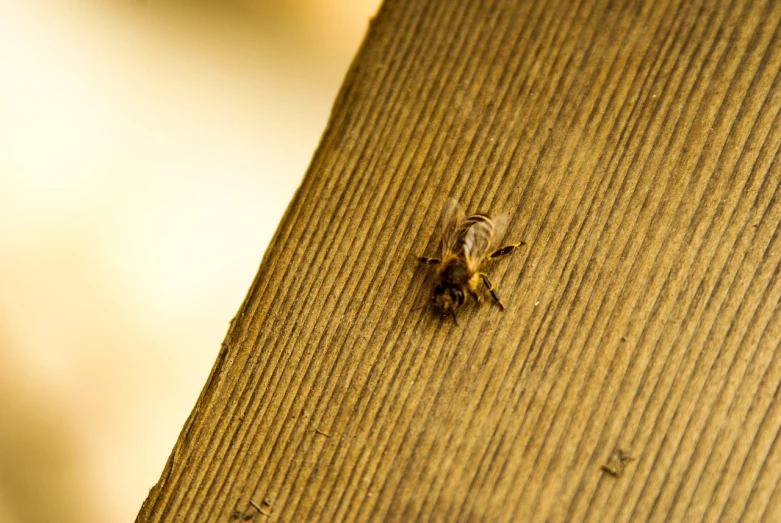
(634, 145)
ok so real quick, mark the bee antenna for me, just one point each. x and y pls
(453, 313)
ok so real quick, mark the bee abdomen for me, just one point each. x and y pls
(482, 227)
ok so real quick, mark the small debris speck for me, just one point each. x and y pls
(616, 463)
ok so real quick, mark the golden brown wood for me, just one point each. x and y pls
(635, 146)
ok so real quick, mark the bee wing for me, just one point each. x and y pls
(476, 245)
(500, 227)
(452, 216)
(482, 237)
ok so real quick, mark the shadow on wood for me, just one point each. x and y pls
(635, 147)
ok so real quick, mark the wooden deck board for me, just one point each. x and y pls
(634, 146)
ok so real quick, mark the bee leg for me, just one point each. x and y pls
(504, 251)
(429, 261)
(490, 288)
(474, 295)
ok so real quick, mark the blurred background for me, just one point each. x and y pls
(148, 149)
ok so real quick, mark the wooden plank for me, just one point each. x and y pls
(634, 146)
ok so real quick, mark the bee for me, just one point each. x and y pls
(467, 243)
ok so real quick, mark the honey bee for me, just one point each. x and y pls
(467, 243)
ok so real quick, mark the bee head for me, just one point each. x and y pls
(447, 298)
